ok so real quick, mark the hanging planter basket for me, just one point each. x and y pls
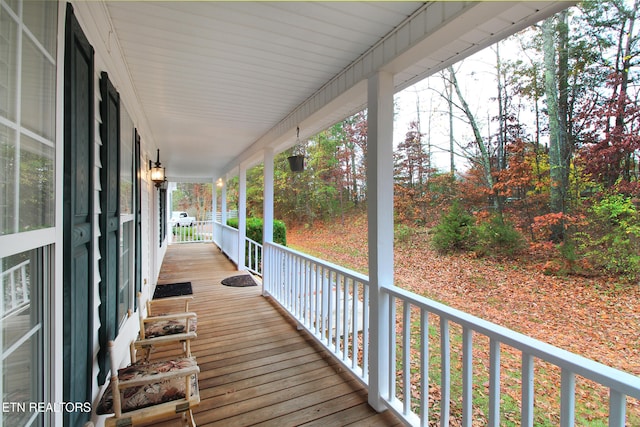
(296, 163)
(296, 160)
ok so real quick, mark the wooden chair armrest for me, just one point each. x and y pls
(155, 378)
(172, 299)
(172, 316)
(164, 339)
(170, 302)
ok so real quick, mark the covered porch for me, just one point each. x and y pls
(257, 367)
(99, 89)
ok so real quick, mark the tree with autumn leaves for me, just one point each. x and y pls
(577, 195)
(560, 168)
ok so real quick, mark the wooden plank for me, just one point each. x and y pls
(255, 366)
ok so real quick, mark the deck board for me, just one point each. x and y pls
(256, 367)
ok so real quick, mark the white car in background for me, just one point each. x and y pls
(181, 219)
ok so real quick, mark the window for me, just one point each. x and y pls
(23, 278)
(27, 115)
(127, 209)
(28, 35)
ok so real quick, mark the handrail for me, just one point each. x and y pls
(226, 238)
(253, 253)
(328, 300)
(200, 231)
(16, 297)
(620, 383)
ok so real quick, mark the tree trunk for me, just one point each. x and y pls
(485, 159)
(451, 139)
(502, 125)
(565, 146)
(556, 198)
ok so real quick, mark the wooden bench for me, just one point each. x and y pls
(177, 326)
(145, 392)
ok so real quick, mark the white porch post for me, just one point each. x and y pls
(214, 212)
(380, 229)
(214, 200)
(267, 232)
(242, 214)
(223, 203)
(267, 215)
(223, 211)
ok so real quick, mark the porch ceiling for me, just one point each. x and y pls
(215, 78)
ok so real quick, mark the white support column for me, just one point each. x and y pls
(214, 200)
(267, 215)
(267, 232)
(223, 213)
(380, 229)
(214, 212)
(242, 214)
(223, 203)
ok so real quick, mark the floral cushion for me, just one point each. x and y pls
(168, 327)
(149, 394)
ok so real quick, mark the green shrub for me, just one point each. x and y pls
(613, 241)
(455, 231)
(403, 233)
(498, 237)
(254, 229)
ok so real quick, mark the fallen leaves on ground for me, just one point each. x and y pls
(597, 318)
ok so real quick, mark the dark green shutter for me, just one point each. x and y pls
(109, 242)
(163, 215)
(138, 216)
(78, 213)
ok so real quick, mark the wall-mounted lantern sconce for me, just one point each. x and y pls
(157, 172)
(219, 183)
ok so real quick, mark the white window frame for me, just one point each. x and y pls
(46, 239)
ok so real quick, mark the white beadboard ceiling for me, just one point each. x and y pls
(214, 78)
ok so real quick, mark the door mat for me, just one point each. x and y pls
(173, 290)
(240, 281)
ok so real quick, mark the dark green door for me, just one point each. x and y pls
(78, 218)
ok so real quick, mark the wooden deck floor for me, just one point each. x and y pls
(256, 367)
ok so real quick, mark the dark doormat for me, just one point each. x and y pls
(240, 281)
(172, 290)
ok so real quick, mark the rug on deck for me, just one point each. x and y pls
(172, 290)
(240, 281)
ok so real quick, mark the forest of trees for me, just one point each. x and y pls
(548, 168)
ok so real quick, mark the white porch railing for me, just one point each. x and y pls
(15, 289)
(200, 231)
(230, 214)
(332, 303)
(227, 240)
(253, 252)
(329, 301)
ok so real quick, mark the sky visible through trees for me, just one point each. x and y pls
(544, 128)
